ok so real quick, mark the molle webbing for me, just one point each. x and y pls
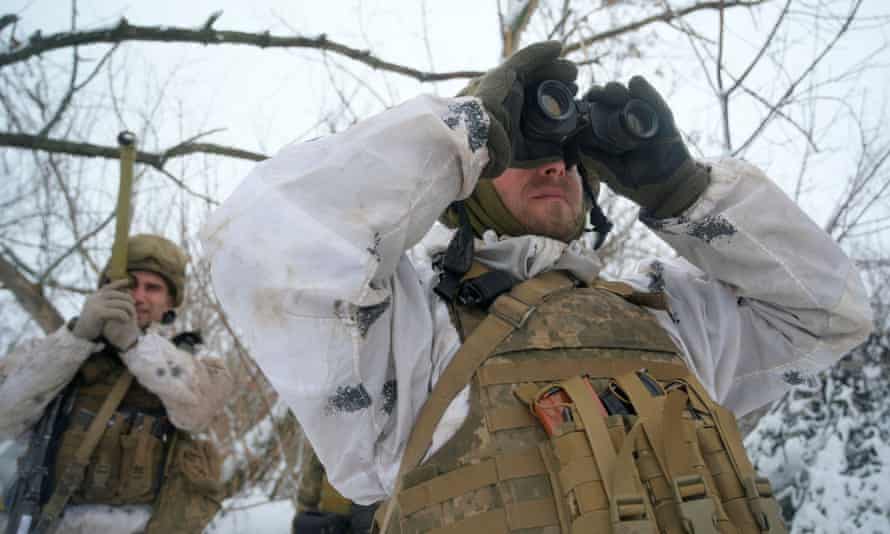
(112, 445)
(507, 313)
(672, 462)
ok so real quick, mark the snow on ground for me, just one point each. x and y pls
(253, 514)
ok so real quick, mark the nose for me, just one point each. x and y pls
(555, 169)
(137, 293)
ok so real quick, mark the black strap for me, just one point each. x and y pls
(481, 291)
(601, 224)
(458, 256)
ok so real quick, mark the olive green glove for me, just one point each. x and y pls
(108, 303)
(658, 173)
(502, 92)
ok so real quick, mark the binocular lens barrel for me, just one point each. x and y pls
(639, 119)
(551, 115)
(554, 100)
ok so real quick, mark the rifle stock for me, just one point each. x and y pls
(33, 472)
(118, 266)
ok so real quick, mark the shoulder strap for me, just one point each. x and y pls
(73, 475)
(509, 312)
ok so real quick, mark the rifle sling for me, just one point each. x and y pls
(74, 472)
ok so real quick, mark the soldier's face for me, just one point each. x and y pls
(546, 199)
(150, 297)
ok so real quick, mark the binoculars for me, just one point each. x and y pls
(552, 114)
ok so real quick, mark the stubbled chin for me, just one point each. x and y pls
(558, 221)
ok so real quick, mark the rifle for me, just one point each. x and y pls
(33, 470)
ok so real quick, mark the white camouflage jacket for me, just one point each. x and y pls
(311, 258)
(36, 371)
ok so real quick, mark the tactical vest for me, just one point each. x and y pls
(583, 418)
(127, 465)
(141, 457)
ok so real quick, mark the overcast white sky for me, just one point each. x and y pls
(265, 99)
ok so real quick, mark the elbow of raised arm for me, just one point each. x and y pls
(852, 318)
(191, 417)
(211, 388)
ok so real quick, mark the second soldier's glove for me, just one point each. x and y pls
(122, 333)
(658, 173)
(111, 302)
(502, 91)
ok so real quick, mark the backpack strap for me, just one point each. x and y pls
(757, 489)
(73, 475)
(509, 312)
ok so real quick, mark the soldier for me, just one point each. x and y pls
(148, 472)
(497, 380)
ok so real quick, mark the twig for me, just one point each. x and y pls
(788, 92)
(665, 16)
(76, 246)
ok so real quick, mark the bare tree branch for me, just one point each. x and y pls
(793, 86)
(30, 297)
(763, 48)
(71, 204)
(665, 16)
(8, 19)
(76, 246)
(560, 25)
(875, 197)
(182, 185)
(722, 95)
(872, 263)
(72, 85)
(511, 30)
(206, 35)
(156, 160)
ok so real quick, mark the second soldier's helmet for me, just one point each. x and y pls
(148, 252)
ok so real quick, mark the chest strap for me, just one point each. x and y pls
(508, 312)
(73, 475)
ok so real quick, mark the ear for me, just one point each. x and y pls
(168, 317)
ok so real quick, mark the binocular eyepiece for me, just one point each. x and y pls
(552, 114)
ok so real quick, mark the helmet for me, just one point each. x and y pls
(146, 252)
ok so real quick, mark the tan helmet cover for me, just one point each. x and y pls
(153, 253)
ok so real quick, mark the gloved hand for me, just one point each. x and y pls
(110, 302)
(502, 91)
(123, 333)
(658, 174)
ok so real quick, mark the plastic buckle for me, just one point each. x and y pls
(448, 286)
(628, 514)
(763, 506)
(697, 511)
